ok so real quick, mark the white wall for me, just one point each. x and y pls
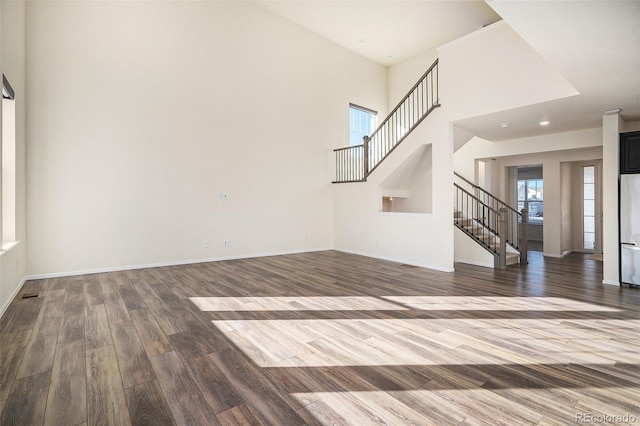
(631, 126)
(13, 262)
(411, 183)
(612, 126)
(478, 74)
(568, 186)
(402, 76)
(141, 114)
(477, 148)
(550, 151)
(484, 72)
(418, 239)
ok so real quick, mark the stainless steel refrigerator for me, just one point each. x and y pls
(630, 229)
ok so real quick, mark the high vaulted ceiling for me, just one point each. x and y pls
(595, 45)
(390, 31)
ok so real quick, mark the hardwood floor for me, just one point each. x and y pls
(324, 338)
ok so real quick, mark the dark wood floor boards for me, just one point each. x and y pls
(106, 400)
(134, 364)
(212, 383)
(186, 402)
(129, 347)
(148, 406)
(117, 311)
(39, 353)
(151, 336)
(92, 292)
(97, 330)
(238, 415)
(268, 402)
(12, 347)
(66, 401)
(27, 401)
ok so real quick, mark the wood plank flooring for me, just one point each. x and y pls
(324, 338)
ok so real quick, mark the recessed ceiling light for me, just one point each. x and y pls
(363, 41)
(504, 125)
(544, 123)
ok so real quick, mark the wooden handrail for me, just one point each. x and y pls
(431, 68)
(414, 107)
(470, 195)
(348, 147)
(479, 188)
(511, 226)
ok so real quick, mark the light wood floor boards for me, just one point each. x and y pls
(323, 338)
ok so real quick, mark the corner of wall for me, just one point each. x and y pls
(12, 63)
(611, 128)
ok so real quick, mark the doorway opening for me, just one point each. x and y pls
(530, 196)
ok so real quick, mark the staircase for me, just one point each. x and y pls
(356, 163)
(486, 219)
(491, 223)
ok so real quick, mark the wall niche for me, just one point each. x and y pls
(409, 188)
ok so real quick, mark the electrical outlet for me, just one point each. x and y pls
(205, 244)
(227, 243)
(377, 242)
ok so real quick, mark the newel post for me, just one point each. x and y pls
(502, 233)
(365, 159)
(523, 236)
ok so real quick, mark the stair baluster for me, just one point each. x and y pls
(403, 119)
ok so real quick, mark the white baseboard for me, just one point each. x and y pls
(391, 259)
(475, 263)
(4, 307)
(161, 264)
(611, 282)
(557, 256)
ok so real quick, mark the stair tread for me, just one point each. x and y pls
(484, 235)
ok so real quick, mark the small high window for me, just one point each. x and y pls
(362, 122)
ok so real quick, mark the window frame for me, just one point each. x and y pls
(373, 116)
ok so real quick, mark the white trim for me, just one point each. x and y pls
(4, 308)
(564, 253)
(404, 214)
(557, 256)
(391, 259)
(6, 247)
(161, 264)
(610, 282)
(475, 263)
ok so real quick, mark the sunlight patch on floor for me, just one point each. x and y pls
(454, 406)
(355, 342)
(395, 303)
(489, 303)
(320, 303)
